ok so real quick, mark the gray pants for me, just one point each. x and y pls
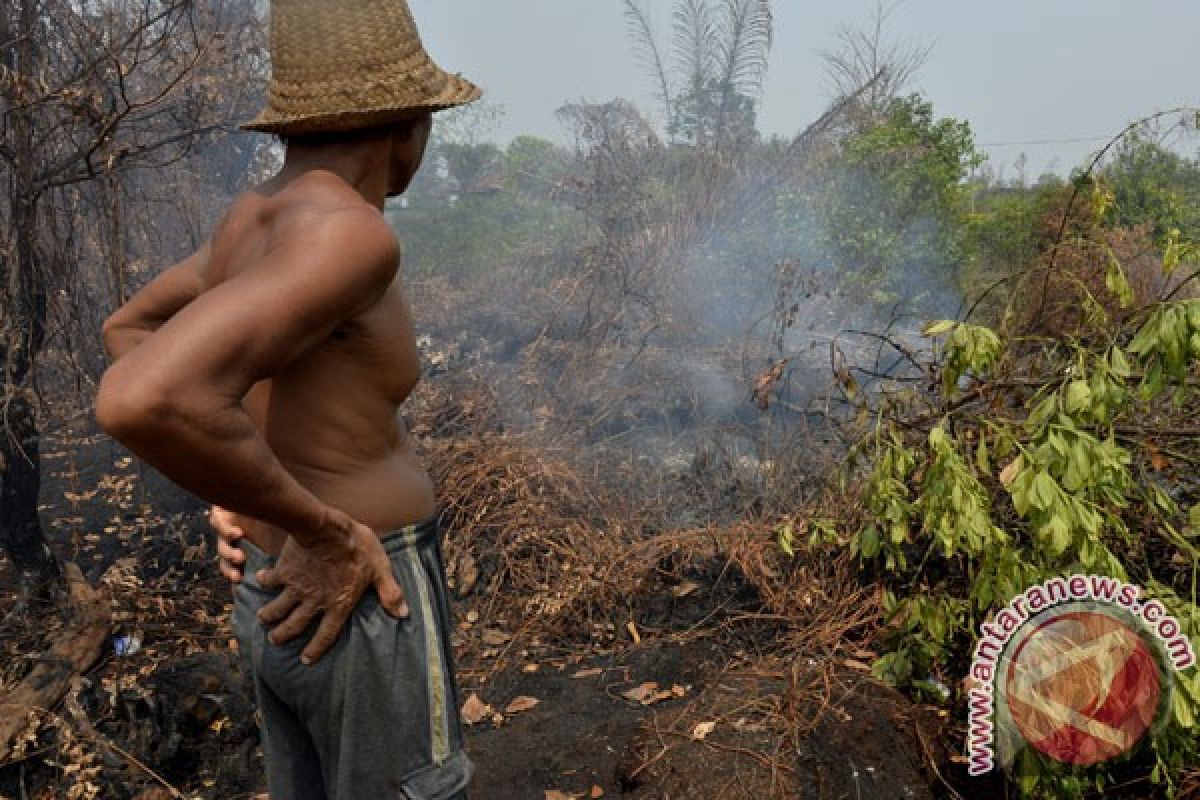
(377, 717)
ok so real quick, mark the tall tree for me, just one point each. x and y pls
(892, 206)
(92, 93)
(719, 54)
(869, 66)
(746, 32)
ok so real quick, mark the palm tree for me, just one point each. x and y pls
(719, 57)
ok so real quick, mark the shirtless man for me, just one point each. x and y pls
(264, 374)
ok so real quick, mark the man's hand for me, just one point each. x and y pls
(230, 557)
(327, 578)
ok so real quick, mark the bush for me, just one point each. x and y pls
(1032, 458)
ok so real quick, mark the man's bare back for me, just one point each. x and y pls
(331, 417)
(264, 374)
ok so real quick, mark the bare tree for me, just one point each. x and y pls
(93, 93)
(623, 273)
(868, 66)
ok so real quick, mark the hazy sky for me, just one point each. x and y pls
(1018, 70)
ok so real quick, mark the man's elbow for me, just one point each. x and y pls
(128, 409)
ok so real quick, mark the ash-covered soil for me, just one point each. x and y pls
(686, 712)
(683, 680)
(714, 737)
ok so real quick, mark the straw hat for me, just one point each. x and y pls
(343, 65)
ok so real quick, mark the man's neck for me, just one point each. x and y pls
(363, 165)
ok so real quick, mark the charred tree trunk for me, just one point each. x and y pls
(88, 92)
(22, 336)
(21, 531)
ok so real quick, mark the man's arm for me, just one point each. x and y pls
(176, 398)
(157, 302)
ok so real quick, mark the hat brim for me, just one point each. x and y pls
(458, 91)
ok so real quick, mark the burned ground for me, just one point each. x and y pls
(632, 638)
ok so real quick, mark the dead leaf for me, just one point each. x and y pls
(162, 794)
(521, 703)
(702, 729)
(764, 382)
(587, 673)
(475, 710)
(195, 553)
(472, 616)
(1157, 460)
(640, 694)
(555, 794)
(684, 589)
(494, 636)
(633, 632)
(858, 665)
(649, 693)
(752, 727)
(596, 792)
(531, 668)
(1009, 473)
(468, 574)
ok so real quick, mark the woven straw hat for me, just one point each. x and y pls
(344, 65)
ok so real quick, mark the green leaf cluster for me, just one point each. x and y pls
(965, 518)
(970, 348)
(1168, 343)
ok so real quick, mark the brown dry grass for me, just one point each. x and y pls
(525, 532)
(551, 549)
(1065, 294)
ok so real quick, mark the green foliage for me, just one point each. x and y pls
(474, 207)
(1169, 343)
(1007, 229)
(469, 164)
(970, 347)
(890, 203)
(1143, 204)
(1156, 186)
(713, 113)
(984, 506)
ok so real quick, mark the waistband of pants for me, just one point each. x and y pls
(416, 535)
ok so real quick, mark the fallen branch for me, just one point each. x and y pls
(78, 647)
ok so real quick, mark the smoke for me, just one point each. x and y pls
(648, 304)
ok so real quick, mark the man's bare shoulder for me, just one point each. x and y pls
(316, 215)
(321, 202)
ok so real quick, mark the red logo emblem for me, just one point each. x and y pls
(1083, 687)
